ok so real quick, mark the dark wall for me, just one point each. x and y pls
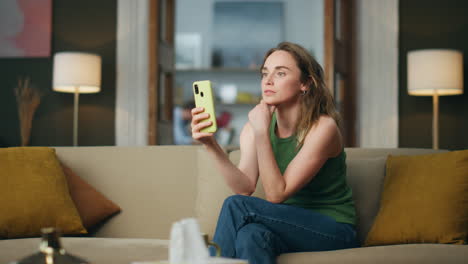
(433, 24)
(85, 25)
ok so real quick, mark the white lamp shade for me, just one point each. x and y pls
(434, 70)
(77, 71)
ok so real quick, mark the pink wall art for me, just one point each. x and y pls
(25, 28)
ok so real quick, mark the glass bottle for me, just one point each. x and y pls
(51, 251)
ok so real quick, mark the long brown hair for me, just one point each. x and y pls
(317, 100)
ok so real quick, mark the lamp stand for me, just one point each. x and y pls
(435, 120)
(75, 118)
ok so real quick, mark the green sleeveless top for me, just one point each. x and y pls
(327, 193)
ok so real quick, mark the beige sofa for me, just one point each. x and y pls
(156, 186)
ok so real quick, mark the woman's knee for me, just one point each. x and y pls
(252, 236)
(235, 200)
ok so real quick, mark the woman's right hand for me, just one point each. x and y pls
(198, 123)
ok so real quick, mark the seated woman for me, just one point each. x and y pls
(292, 142)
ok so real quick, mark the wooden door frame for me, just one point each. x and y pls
(153, 69)
(160, 52)
(344, 63)
(329, 39)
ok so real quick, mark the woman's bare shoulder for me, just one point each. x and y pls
(326, 131)
(325, 124)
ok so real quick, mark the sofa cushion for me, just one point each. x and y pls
(365, 176)
(34, 194)
(125, 251)
(424, 200)
(154, 185)
(213, 190)
(93, 206)
(395, 254)
(94, 250)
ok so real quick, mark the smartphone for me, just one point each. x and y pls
(203, 94)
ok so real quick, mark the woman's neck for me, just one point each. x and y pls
(286, 119)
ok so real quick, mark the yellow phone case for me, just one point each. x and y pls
(204, 98)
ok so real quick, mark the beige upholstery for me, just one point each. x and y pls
(94, 250)
(407, 254)
(127, 250)
(156, 186)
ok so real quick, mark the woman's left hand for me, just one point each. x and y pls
(260, 117)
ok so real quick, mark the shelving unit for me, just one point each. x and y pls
(299, 15)
(247, 81)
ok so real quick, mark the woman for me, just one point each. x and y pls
(293, 143)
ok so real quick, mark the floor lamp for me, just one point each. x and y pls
(435, 72)
(76, 72)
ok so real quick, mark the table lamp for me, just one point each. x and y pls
(76, 72)
(435, 72)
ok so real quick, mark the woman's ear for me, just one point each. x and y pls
(304, 87)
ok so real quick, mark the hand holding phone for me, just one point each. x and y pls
(203, 95)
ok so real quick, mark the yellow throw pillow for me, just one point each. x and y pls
(424, 200)
(34, 194)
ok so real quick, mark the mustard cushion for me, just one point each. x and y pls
(424, 200)
(34, 194)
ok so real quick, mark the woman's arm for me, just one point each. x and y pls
(241, 180)
(322, 142)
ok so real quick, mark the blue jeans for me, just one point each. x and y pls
(259, 231)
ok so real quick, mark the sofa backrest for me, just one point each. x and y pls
(158, 185)
(154, 185)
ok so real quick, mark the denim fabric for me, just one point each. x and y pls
(257, 230)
